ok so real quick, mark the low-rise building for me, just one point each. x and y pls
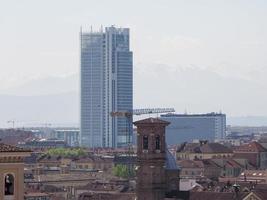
(103, 163)
(229, 167)
(203, 150)
(193, 169)
(43, 144)
(258, 176)
(37, 196)
(211, 169)
(254, 152)
(70, 135)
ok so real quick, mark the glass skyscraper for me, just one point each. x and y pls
(106, 86)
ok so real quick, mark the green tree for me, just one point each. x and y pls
(122, 171)
(66, 152)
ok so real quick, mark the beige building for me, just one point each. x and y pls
(12, 172)
(202, 150)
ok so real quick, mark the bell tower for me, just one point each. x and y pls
(151, 157)
(12, 172)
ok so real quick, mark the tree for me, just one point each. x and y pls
(123, 171)
(120, 171)
(66, 153)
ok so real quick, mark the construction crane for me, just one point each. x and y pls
(129, 115)
(12, 122)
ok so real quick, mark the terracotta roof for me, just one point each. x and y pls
(190, 164)
(227, 162)
(36, 194)
(262, 194)
(251, 147)
(232, 163)
(107, 196)
(205, 148)
(210, 196)
(210, 163)
(215, 148)
(151, 121)
(10, 148)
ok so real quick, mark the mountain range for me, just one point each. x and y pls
(55, 100)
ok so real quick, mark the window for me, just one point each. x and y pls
(9, 184)
(157, 142)
(145, 142)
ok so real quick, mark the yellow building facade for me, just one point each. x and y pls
(12, 172)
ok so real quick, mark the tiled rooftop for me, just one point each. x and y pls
(10, 148)
(204, 148)
(190, 164)
(151, 121)
(251, 147)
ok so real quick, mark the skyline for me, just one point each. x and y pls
(224, 41)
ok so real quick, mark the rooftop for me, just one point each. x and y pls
(251, 147)
(190, 164)
(212, 114)
(151, 121)
(204, 148)
(10, 148)
(170, 161)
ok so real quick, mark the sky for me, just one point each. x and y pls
(228, 38)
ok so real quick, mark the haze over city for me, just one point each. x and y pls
(197, 57)
(133, 100)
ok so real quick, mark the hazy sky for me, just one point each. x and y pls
(40, 38)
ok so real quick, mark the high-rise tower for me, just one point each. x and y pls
(106, 86)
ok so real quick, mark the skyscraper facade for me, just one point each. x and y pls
(106, 86)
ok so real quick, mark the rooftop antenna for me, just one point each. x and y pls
(91, 29)
(185, 112)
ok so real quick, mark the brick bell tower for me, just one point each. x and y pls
(151, 157)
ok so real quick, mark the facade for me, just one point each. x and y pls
(191, 169)
(106, 86)
(187, 127)
(203, 150)
(254, 152)
(229, 142)
(103, 163)
(70, 135)
(229, 167)
(12, 172)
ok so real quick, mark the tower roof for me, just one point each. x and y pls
(151, 121)
(170, 161)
